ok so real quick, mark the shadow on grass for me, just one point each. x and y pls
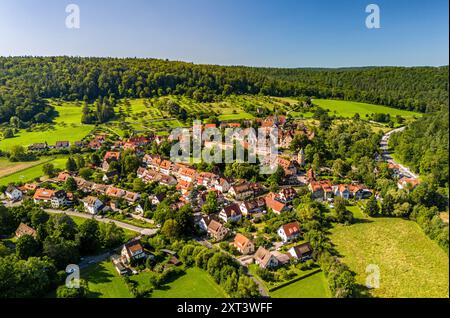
(361, 221)
(169, 280)
(99, 274)
(361, 291)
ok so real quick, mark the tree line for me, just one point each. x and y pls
(26, 81)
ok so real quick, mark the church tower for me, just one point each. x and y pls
(301, 157)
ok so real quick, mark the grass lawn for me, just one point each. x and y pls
(105, 282)
(349, 109)
(314, 286)
(196, 283)
(237, 116)
(33, 172)
(67, 126)
(411, 265)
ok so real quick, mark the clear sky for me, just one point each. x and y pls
(281, 33)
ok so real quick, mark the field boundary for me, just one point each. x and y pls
(294, 280)
(29, 167)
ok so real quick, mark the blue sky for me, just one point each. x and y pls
(281, 33)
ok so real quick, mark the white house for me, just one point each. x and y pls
(231, 213)
(56, 198)
(216, 230)
(301, 252)
(222, 185)
(92, 204)
(243, 244)
(265, 259)
(289, 231)
(13, 193)
(132, 251)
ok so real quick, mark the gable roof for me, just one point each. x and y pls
(90, 200)
(24, 229)
(291, 229)
(254, 204)
(302, 249)
(111, 155)
(188, 172)
(273, 204)
(240, 241)
(263, 256)
(62, 144)
(288, 192)
(214, 226)
(133, 247)
(115, 192)
(11, 189)
(232, 210)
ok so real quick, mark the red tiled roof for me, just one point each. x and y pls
(43, 194)
(291, 229)
(112, 155)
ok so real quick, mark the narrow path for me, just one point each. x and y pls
(384, 146)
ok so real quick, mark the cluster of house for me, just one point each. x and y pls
(234, 211)
(324, 190)
(271, 259)
(134, 143)
(91, 203)
(59, 145)
(239, 197)
(60, 198)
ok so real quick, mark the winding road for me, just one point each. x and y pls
(384, 146)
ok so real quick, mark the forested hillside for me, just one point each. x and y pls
(25, 81)
(423, 146)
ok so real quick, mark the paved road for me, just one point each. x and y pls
(123, 225)
(90, 260)
(387, 156)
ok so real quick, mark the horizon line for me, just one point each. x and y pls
(221, 65)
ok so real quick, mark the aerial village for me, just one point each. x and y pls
(222, 205)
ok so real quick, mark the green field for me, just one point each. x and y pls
(105, 282)
(238, 116)
(7, 167)
(314, 286)
(33, 172)
(196, 283)
(349, 109)
(143, 115)
(411, 265)
(67, 126)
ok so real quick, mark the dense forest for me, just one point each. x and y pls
(26, 81)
